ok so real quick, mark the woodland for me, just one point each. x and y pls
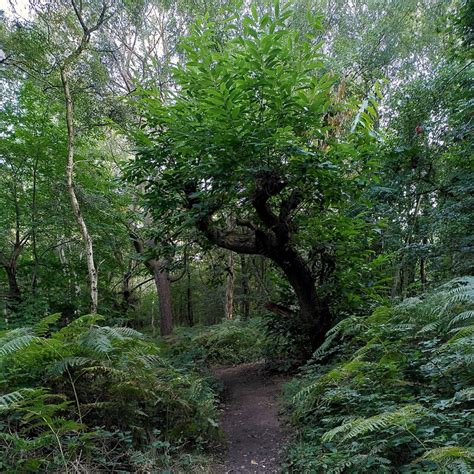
(194, 189)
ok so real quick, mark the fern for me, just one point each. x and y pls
(420, 350)
(111, 377)
(445, 455)
(9, 399)
(18, 343)
(462, 318)
(67, 363)
(401, 418)
(466, 394)
(348, 326)
(43, 326)
(461, 333)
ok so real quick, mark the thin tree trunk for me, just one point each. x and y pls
(229, 290)
(162, 283)
(398, 275)
(245, 288)
(423, 275)
(126, 290)
(189, 299)
(64, 69)
(91, 269)
(34, 280)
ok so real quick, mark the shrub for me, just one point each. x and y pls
(96, 398)
(398, 394)
(230, 342)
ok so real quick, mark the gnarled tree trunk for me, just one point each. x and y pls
(14, 292)
(270, 235)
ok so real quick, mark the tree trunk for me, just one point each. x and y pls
(271, 237)
(189, 299)
(162, 283)
(126, 291)
(163, 289)
(14, 292)
(229, 289)
(245, 288)
(398, 278)
(34, 279)
(91, 269)
(423, 273)
(314, 313)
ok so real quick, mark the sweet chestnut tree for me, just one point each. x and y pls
(258, 148)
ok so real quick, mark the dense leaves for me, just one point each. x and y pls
(97, 398)
(397, 393)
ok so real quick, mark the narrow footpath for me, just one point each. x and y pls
(254, 435)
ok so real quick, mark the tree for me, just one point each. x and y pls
(256, 135)
(55, 21)
(65, 67)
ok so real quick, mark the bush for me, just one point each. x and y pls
(398, 394)
(230, 342)
(89, 397)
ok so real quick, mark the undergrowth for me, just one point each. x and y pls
(89, 398)
(391, 392)
(230, 342)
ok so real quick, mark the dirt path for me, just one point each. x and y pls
(253, 432)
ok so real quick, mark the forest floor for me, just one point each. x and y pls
(254, 434)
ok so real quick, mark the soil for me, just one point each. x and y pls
(254, 434)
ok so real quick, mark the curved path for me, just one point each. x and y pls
(254, 434)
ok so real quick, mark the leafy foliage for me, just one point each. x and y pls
(96, 397)
(230, 342)
(397, 392)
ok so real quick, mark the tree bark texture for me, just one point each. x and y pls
(87, 239)
(158, 269)
(245, 288)
(229, 288)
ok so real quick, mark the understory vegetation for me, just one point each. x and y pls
(88, 398)
(391, 392)
(230, 342)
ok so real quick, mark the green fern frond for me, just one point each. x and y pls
(335, 375)
(360, 426)
(431, 327)
(464, 332)
(42, 326)
(18, 343)
(11, 398)
(152, 360)
(69, 363)
(348, 326)
(466, 394)
(462, 317)
(461, 294)
(103, 369)
(122, 332)
(97, 341)
(7, 336)
(447, 454)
